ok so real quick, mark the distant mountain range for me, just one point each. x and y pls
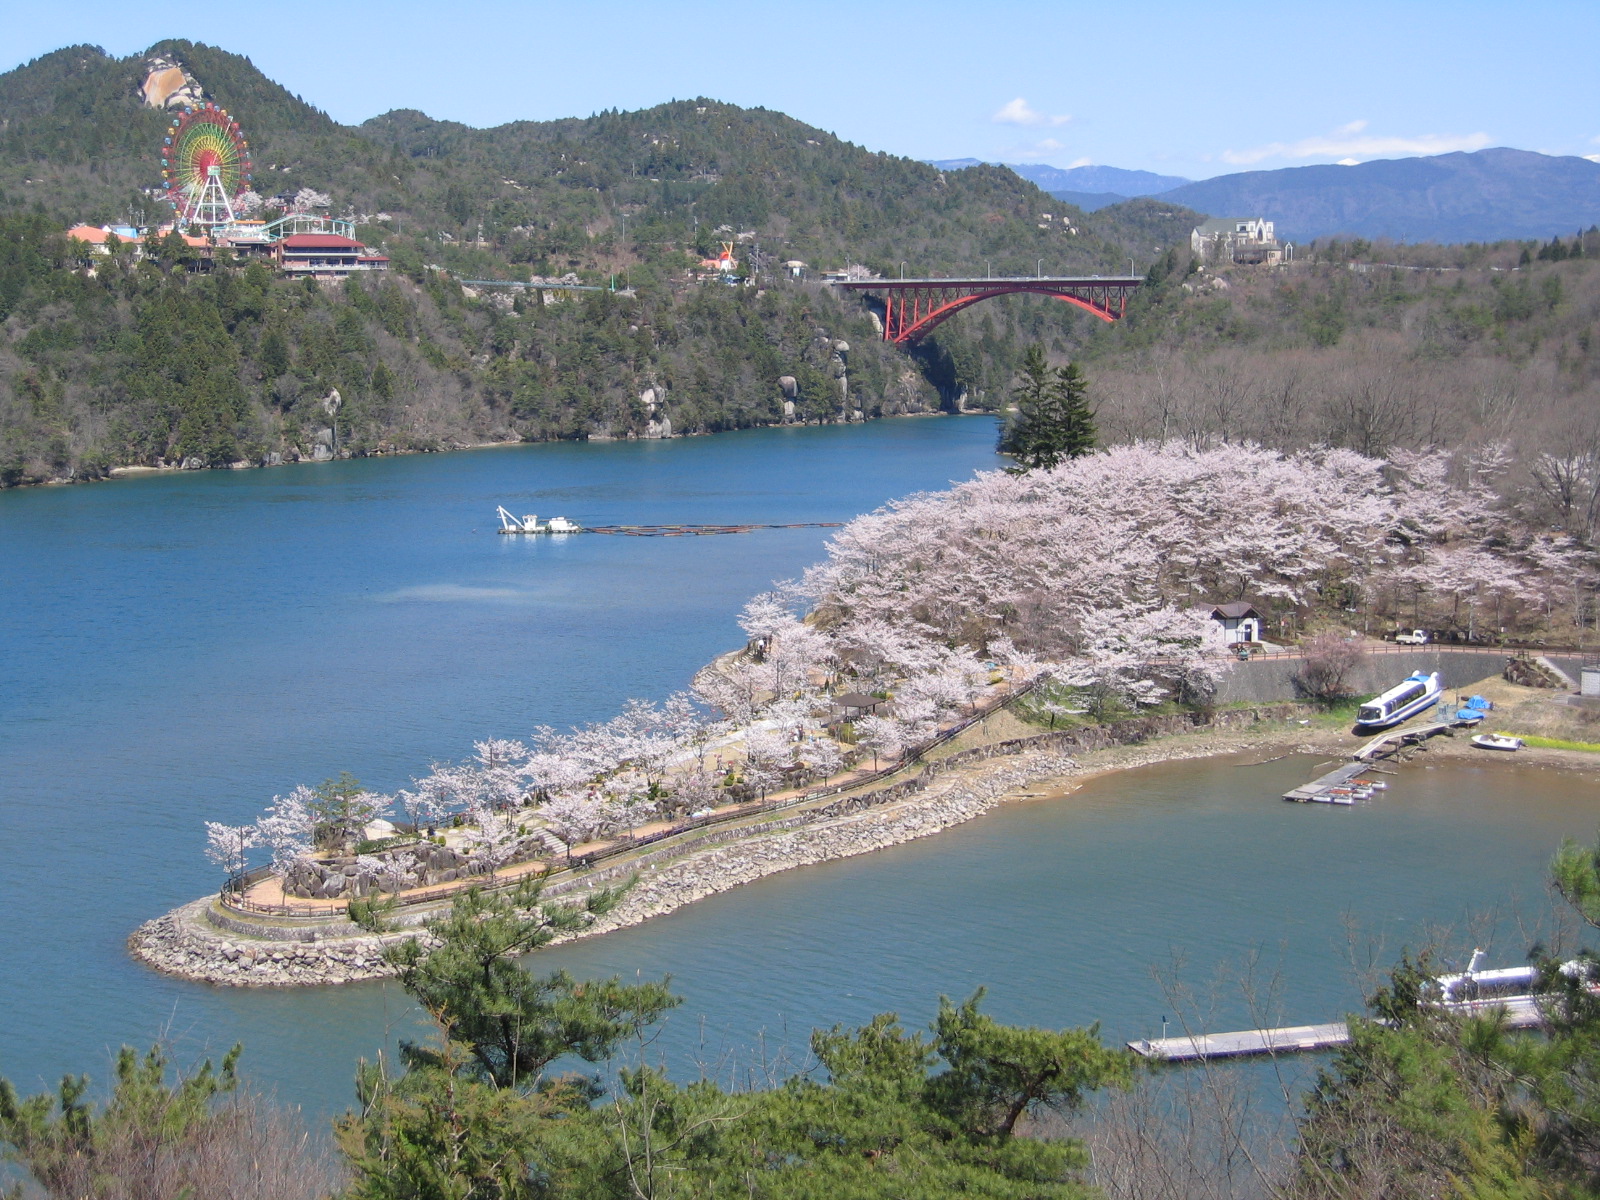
(1088, 181)
(1484, 196)
(1479, 197)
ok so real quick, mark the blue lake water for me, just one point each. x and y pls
(178, 648)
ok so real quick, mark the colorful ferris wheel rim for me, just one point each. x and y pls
(201, 144)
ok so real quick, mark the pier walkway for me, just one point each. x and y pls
(1338, 785)
(1402, 738)
(1522, 1012)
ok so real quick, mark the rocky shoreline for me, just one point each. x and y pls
(183, 943)
(189, 943)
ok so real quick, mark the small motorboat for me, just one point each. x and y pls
(1496, 741)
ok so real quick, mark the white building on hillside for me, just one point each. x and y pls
(1237, 240)
(1237, 621)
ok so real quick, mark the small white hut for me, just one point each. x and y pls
(1237, 621)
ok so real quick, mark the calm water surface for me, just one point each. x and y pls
(179, 648)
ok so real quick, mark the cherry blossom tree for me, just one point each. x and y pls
(821, 757)
(502, 771)
(491, 835)
(229, 845)
(692, 792)
(735, 689)
(423, 807)
(449, 789)
(307, 199)
(766, 615)
(1094, 576)
(1122, 652)
(287, 826)
(883, 737)
(574, 817)
(768, 754)
(630, 800)
(550, 771)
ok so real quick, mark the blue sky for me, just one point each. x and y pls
(1192, 89)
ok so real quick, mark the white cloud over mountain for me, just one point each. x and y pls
(1352, 142)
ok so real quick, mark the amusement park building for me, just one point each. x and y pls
(325, 256)
(314, 255)
(98, 238)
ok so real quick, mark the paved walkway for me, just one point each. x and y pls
(268, 893)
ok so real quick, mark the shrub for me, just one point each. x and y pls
(1329, 660)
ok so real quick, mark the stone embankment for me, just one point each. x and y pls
(188, 943)
(203, 942)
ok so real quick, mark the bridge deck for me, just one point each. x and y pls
(1009, 281)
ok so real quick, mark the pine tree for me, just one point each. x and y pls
(1053, 420)
(1079, 434)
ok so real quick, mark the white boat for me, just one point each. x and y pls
(1496, 741)
(1405, 699)
(1474, 986)
(511, 523)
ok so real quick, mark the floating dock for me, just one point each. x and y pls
(1522, 1012)
(1333, 788)
(1342, 785)
(700, 530)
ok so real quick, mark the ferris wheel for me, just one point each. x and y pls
(205, 163)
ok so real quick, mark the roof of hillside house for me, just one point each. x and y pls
(320, 241)
(97, 236)
(1235, 609)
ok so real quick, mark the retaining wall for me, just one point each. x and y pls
(1263, 680)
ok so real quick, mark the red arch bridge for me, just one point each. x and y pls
(913, 308)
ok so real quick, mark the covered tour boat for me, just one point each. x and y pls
(1406, 699)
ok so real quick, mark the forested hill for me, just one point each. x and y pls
(76, 138)
(105, 362)
(245, 361)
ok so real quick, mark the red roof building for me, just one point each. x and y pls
(325, 256)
